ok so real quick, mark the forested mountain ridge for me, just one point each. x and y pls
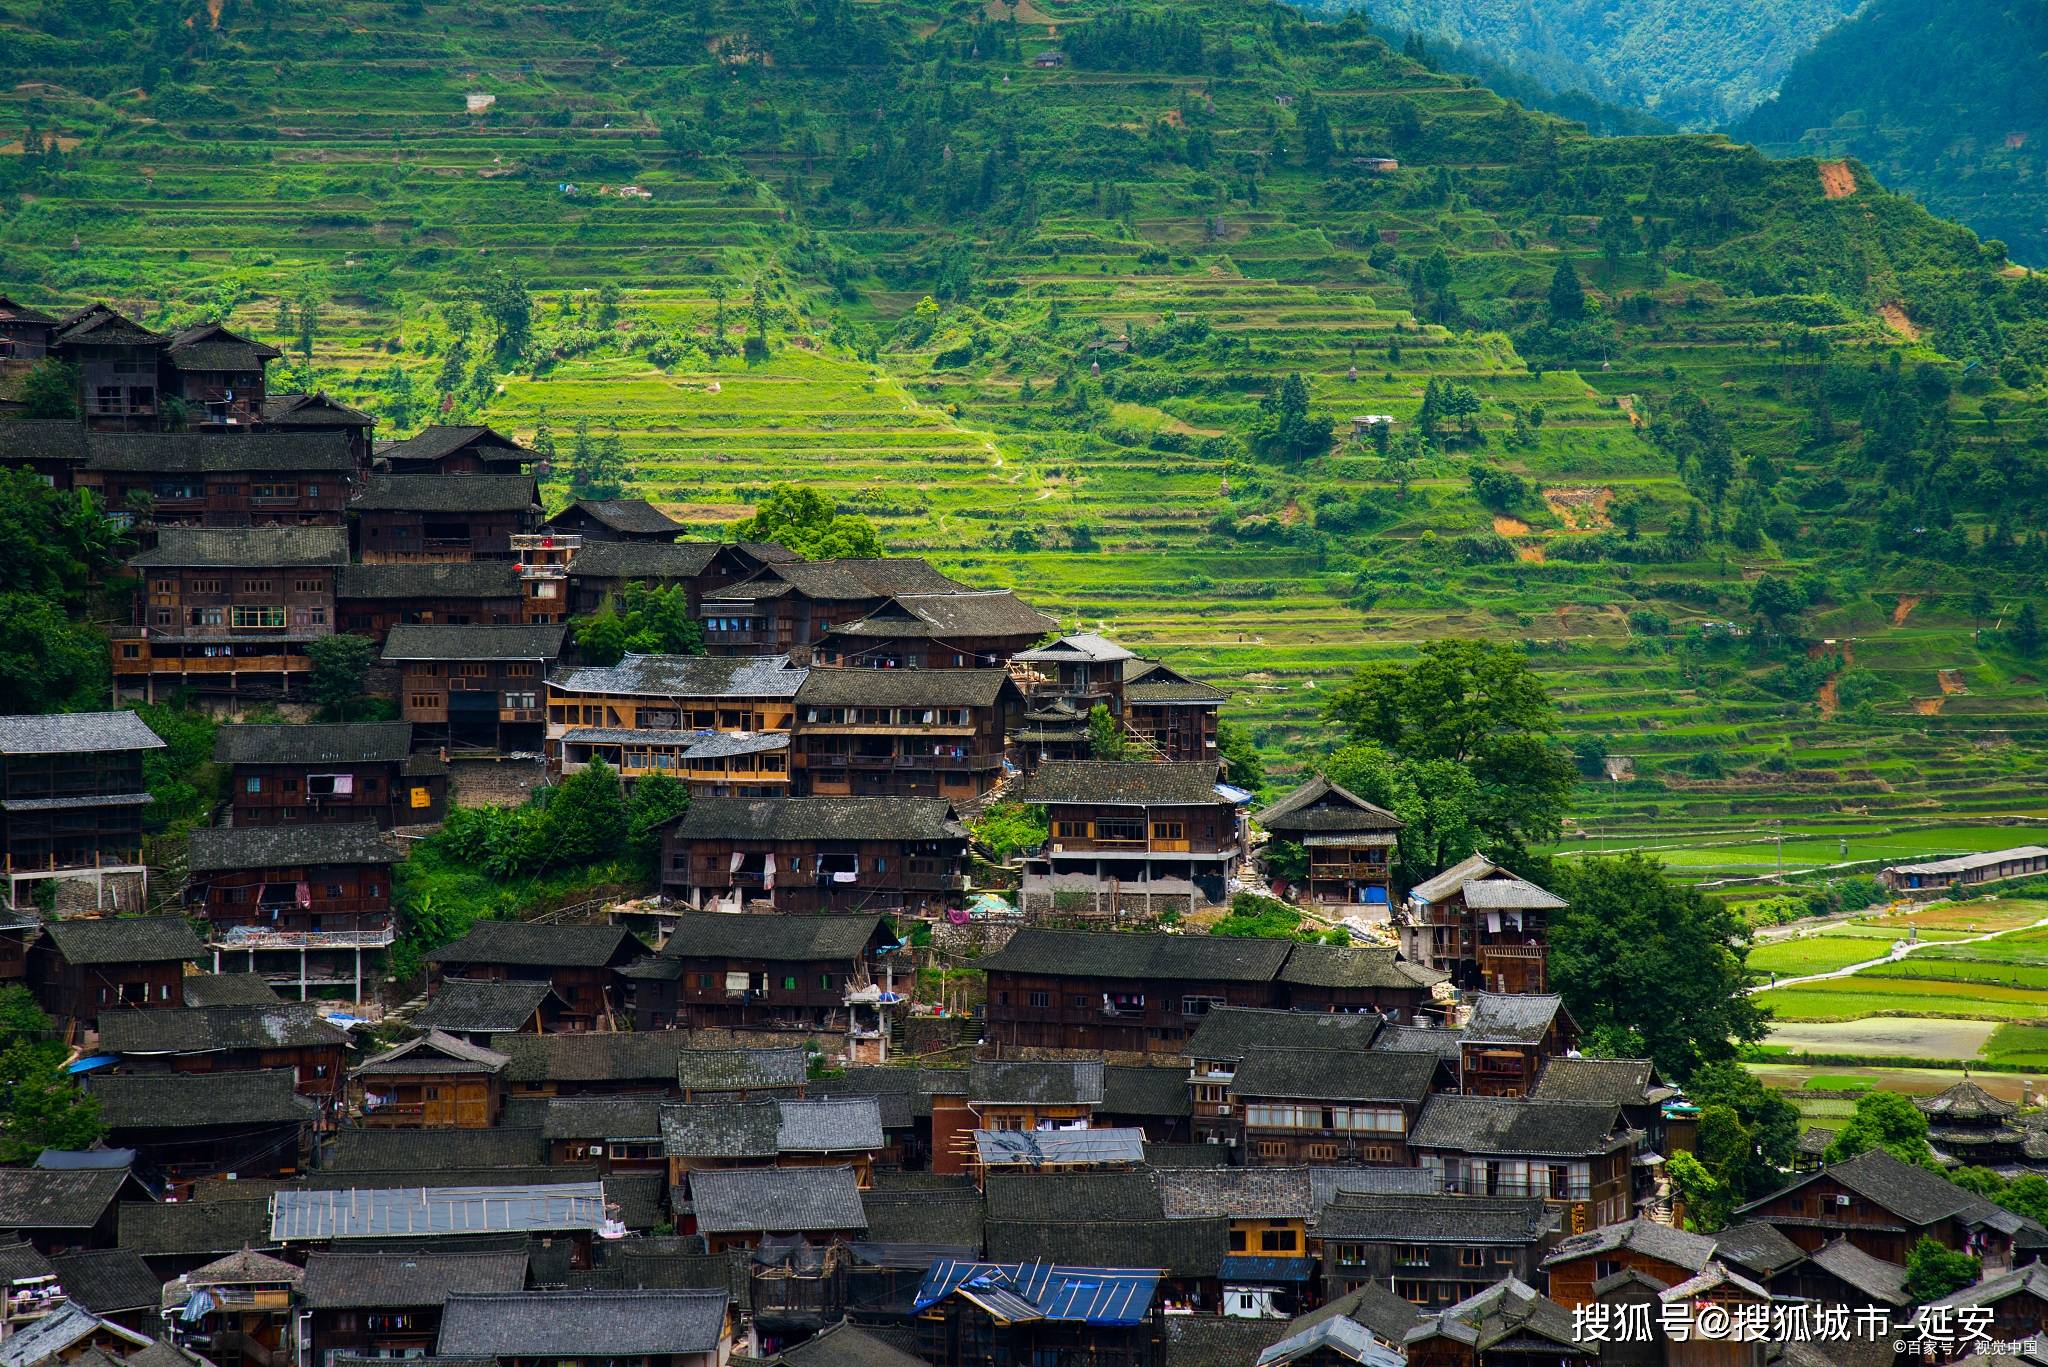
(1694, 65)
(1948, 101)
(1081, 298)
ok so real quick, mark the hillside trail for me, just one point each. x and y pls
(1899, 951)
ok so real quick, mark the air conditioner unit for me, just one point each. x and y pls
(1841, 1200)
(597, 1150)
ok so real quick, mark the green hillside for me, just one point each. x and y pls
(936, 245)
(1700, 65)
(1949, 102)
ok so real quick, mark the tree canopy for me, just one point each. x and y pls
(1638, 952)
(799, 518)
(1475, 706)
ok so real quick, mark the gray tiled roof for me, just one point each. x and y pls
(482, 1005)
(398, 1281)
(124, 940)
(1914, 1194)
(42, 1198)
(902, 687)
(1359, 966)
(610, 1118)
(973, 612)
(413, 1211)
(776, 938)
(190, 1228)
(376, 742)
(686, 676)
(1216, 1340)
(1678, 1247)
(1327, 1185)
(1511, 1018)
(847, 1125)
(468, 493)
(1509, 1311)
(1320, 806)
(434, 1150)
(1037, 1082)
(1884, 1282)
(648, 1057)
(434, 443)
(580, 1324)
(463, 579)
(217, 849)
(1511, 1126)
(1372, 1305)
(1140, 954)
(316, 409)
(820, 818)
(740, 1070)
(894, 1090)
(643, 560)
(1623, 1081)
(196, 453)
(846, 579)
(208, 1029)
(632, 515)
(108, 1281)
(1329, 1075)
(271, 548)
(845, 1345)
(20, 1261)
(1181, 1248)
(1964, 1101)
(776, 1200)
(1228, 1032)
(1437, 1218)
(69, 733)
(954, 1218)
(1422, 1039)
(229, 989)
(535, 944)
(440, 641)
(1123, 783)
(1757, 1248)
(434, 1052)
(172, 1101)
(1240, 1193)
(1134, 1194)
(1149, 1092)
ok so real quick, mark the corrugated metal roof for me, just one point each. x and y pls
(356, 1213)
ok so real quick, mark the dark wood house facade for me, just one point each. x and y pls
(749, 972)
(1176, 713)
(903, 733)
(579, 962)
(442, 517)
(200, 479)
(72, 797)
(372, 599)
(327, 774)
(1133, 827)
(810, 854)
(229, 611)
(1347, 843)
(616, 519)
(477, 687)
(80, 968)
(304, 902)
(1482, 925)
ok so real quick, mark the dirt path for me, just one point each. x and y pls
(1837, 181)
(1904, 608)
(1895, 318)
(1899, 951)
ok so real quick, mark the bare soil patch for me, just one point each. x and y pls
(1895, 318)
(1830, 703)
(1886, 1036)
(1952, 682)
(1837, 181)
(1928, 707)
(1904, 609)
(1510, 526)
(1581, 510)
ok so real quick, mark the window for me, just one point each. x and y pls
(1412, 1291)
(1323, 1153)
(1277, 1241)
(1199, 1006)
(252, 785)
(1070, 830)
(1042, 1000)
(273, 490)
(1270, 1148)
(1412, 1255)
(1471, 1257)
(249, 617)
(1237, 1240)
(256, 585)
(825, 982)
(308, 586)
(789, 984)
(1169, 830)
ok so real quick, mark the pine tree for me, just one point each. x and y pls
(1567, 294)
